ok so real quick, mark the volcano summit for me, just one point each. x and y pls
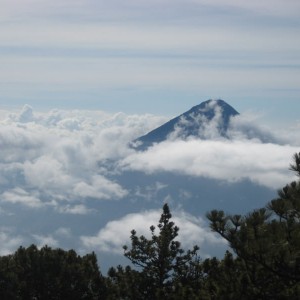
(206, 120)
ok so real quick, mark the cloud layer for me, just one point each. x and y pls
(64, 158)
(58, 157)
(265, 164)
(96, 51)
(68, 164)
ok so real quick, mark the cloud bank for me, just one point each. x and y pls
(265, 164)
(57, 158)
(248, 151)
(63, 159)
(65, 163)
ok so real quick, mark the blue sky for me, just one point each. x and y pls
(159, 57)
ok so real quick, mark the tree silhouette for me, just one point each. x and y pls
(163, 265)
(48, 273)
(268, 241)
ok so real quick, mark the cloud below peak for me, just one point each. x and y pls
(63, 158)
(116, 233)
(231, 161)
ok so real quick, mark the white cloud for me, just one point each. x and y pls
(269, 7)
(63, 158)
(246, 127)
(131, 9)
(43, 240)
(58, 156)
(100, 187)
(206, 129)
(63, 232)
(148, 38)
(8, 242)
(91, 54)
(149, 192)
(77, 209)
(221, 47)
(19, 196)
(265, 164)
(251, 151)
(116, 233)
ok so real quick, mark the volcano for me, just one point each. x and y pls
(211, 117)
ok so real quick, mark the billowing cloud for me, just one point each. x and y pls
(265, 164)
(116, 233)
(207, 129)
(247, 151)
(58, 157)
(19, 196)
(64, 158)
(246, 127)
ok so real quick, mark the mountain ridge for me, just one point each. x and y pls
(190, 123)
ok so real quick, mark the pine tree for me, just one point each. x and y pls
(48, 273)
(267, 240)
(164, 264)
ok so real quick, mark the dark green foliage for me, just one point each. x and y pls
(267, 241)
(30, 273)
(164, 266)
(126, 283)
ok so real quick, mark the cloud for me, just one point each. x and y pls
(63, 159)
(26, 115)
(89, 53)
(58, 157)
(100, 187)
(69, 51)
(42, 240)
(206, 128)
(247, 151)
(63, 232)
(266, 8)
(78, 209)
(116, 233)
(133, 9)
(247, 127)
(19, 196)
(231, 161)
(8, 242)
(11, 238)
(149, 192)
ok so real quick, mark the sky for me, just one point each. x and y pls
(79, 80)
(159, 57)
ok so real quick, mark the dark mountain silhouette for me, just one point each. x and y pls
(201, 120)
